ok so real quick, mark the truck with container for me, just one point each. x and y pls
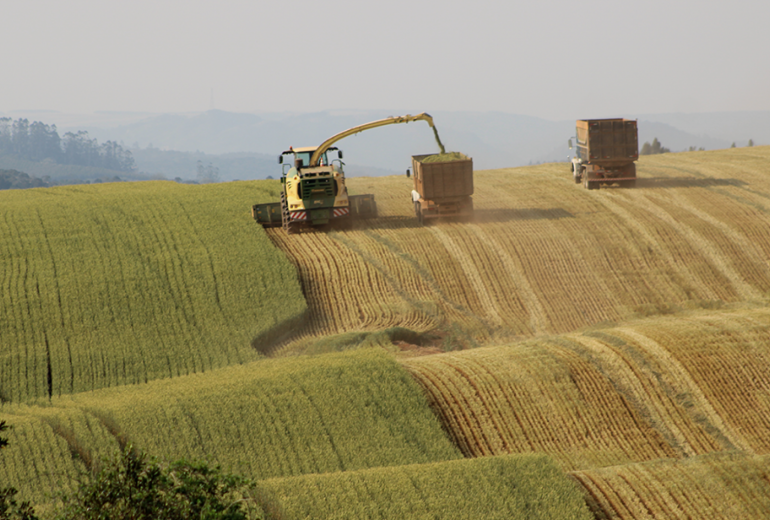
(605, 152)
(313, 189)
(443, 186)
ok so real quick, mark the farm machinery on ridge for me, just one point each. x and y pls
(313, 190)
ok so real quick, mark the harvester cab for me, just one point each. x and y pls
(302, 158)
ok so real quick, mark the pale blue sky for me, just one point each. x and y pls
(554, 59)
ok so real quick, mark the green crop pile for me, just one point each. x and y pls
(271, 418)
(444, 157)
(510, 487)
(121, 283)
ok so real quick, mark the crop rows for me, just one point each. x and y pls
(657, 388)
(265, 419)
(37, 462)
(543, 256)
(513, 487)
(722, 486)
(533, 398)
(721, 362)
(128, 282)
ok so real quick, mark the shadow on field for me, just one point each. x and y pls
(506, 215)
(480, 216)
(686, 182)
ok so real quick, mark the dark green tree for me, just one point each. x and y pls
(10, 509)
(654, 148)
(136, 488)
(751, 142)
(207, 173)
(6, 133)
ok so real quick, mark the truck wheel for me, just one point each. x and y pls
(577, 179)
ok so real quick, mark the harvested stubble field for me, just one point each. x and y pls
(723, 486)
(658, 388)
(543, 256)
(122, 283)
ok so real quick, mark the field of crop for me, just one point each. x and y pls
(544, 256)
(121, 283)
(658, 388)
(265, 419)
(527, 487)
(623, 334)
(723, 486)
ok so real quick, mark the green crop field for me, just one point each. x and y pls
(522, 487)
(265, 419)
(122, 283)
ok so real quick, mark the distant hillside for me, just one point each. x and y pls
(493, 139)
(233, 166)
(58, 174)
(728, 127)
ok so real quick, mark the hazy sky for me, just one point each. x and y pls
(559, 59)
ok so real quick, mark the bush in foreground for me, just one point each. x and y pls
(134, 487)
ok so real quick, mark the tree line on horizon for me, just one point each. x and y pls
(38, 142)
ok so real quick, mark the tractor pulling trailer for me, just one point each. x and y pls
(606, 151)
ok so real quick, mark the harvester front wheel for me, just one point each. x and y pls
(288, 226)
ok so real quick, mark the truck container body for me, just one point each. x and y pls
(442, 189)
(606, 151)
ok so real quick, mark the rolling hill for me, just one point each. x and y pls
(122, 283)
(613, 339)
